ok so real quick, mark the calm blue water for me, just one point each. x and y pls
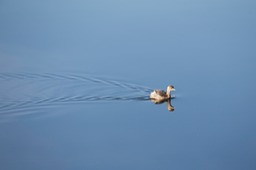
(75, 79)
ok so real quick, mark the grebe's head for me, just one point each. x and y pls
(170, 88)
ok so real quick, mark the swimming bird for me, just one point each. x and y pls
(160, 95)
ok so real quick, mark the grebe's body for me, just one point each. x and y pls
(161, 95)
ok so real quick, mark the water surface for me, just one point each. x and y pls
(75, 79)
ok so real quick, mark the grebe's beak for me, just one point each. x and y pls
(173, 90)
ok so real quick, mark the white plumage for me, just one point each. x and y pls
(161, 95)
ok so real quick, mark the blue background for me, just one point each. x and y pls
(206, 49)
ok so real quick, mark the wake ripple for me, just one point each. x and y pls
(22, 92)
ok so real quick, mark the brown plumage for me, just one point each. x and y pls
(161, 95)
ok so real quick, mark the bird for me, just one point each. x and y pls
(160, 95)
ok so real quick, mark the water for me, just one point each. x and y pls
(23, 92)
(75, 79)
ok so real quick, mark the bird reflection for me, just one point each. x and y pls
(170, 107)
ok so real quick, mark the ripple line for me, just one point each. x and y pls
(65, 100)
(52, 76)
(49, 93)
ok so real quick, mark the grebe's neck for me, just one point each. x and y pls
(168, 92)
